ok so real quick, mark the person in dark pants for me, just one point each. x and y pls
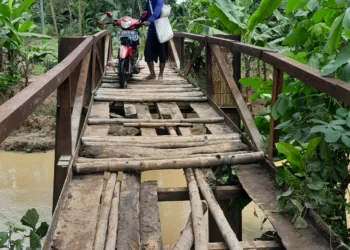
(153, 49)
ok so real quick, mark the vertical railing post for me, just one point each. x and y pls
(209, 88)
(276, 90)
(182, 52)
(63, 143)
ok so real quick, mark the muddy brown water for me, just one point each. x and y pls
(26, 182)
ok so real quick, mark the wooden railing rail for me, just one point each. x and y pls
(281, 64)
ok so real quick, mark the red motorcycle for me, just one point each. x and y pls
(128, 56)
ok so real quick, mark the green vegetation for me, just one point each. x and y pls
(17, 237)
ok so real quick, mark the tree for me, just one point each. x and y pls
(54, 18)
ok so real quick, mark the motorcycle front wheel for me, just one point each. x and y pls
(123, 77)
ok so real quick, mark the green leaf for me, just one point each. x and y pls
(196, 27)
(346, 20)
(34, 241)
(19, 244)
(344, 74)
(3, 238)
(312, 5)
(297, 205)
(311, 147)
(298, 36)
(346, 140)
(42, 230)
(274, 111)
(286, 194)
(292, 154)
(23, 7)
(293, 5)
(25, 26)
(265, 9)
(317, 186)
(335, 34)
(31, 218)
(318, 128)
(330, 68)
(348, 120)
(14, 227)
(280, 176)
(283, 125)
(283, 105)
(300, 223)
(5, 11)
(332, 136)
(34, 35)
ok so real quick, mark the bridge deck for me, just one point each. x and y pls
(101, 212)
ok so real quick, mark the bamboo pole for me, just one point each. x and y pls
(200, 234)
(113, 219)
(225, 228)
(156, 139)
(148, 89)
(151, 99)
(175, 163)
(186, 239)
(95, 121)
(157, 124)
(102, 224)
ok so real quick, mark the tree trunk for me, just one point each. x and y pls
(42, 16)
(54, 18)
(80, 20)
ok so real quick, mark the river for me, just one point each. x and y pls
(26, 182)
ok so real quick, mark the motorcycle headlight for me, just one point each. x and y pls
(125, 24)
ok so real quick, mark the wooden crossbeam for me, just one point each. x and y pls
(195, 56)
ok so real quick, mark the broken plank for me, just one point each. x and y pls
(130, 110)
(151, 238)
(142, 111)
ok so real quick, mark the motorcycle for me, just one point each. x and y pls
(128, 56)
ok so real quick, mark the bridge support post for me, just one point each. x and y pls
(209, 88)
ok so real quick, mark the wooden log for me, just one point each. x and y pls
(156, 139)
(151, 238)
(101, 231)
(200, 232)
(186, 238)
(150, 89)
(150, 93)
(131, 152)
(225, 229)
(112, 115)
(143, 112)
(148, 85)
(113, 219)
(129, 208)
(247, 245)
(123, 120)
(163, 145)
(157, 125)
(150, 99)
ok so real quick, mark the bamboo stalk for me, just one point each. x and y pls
(102, 224)
(156, 139)
(225, 228)
(186, 238)
(150, 94)
(113, 219)
(151, 99)
(157, 124)
(95, 121)
(200, 234)
(175, 163)
(148, 89)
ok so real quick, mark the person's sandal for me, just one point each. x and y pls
(150, 77)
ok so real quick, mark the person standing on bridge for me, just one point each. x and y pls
(154, 50)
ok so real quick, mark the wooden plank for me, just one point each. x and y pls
(99, 110)
(151, 237)
(195, 56)
(158, 98)
(149, 93)
(204, 110)
(79, 99)
(77, 223)
(276, 90)
(238, 99)
(175, 54)
(263, 190)
(143, 113)
(247, 245)
(181, 193)
(63, 144)
(130, 110)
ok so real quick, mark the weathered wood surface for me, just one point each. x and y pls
(129, 208)
(124, 120)
(106, 86)
(98, 111)
(105, 208)
(199, 230)
(113, 219)
(76, 227)
(171, 163)
(130, 152)
(154, 98)
(151, 237)
(147, 94)
(264, 190)
(247, 245)
(129, 110)
(225, 228)
(142, 111)
(157, 124)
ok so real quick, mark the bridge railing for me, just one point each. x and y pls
(81, 65)
(281, 64)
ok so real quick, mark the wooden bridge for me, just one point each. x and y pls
(100, 201)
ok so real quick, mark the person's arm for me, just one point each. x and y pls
(157, 10)
(146, 10)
